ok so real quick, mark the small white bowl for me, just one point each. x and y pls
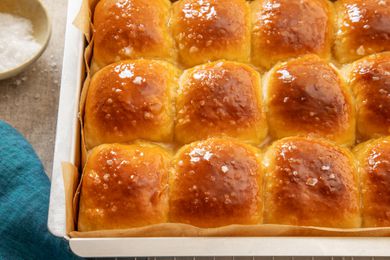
(35, 11)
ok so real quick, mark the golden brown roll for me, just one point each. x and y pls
(130, 100)
(130, 29)
(284, 29)
(220, 99)
(307, 96)
(124, 186)
(207, 30)
(216, 182)
(374, 168)
(363, 28)
(370, 82)
(310, 182)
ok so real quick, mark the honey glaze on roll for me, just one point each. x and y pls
(308, 96)
(284, 29)
(216, 182)
(124, 186)
(207, 30)
(130, 100)
(310, 182)
(129, 29)
(374, 161)
(370, 82)
(363, 28)
(217, 99)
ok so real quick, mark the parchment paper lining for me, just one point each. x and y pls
(72, 187)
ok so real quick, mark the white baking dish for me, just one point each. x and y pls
(67, 148)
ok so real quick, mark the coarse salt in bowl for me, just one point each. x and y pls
(24, 34)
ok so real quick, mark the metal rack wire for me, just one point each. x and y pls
(252, 258)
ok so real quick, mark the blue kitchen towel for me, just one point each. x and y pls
(24, 200)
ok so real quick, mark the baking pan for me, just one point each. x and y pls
(67, 149)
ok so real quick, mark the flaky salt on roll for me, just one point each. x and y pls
(284, 29)
(374, 167)
(208, 30)
(124, 186)
(130, 100)
(363, 28)
(370, 82)
(308, 96)
(310, 182)
(216, 182)
(222, 98)
(130, 29)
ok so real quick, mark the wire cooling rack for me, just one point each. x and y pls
(251, 258)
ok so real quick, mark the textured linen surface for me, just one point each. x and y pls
(24, 200)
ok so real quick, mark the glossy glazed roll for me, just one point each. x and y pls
(310, 182)
(284, 29)
(130, 100)
(220, 99)
(216, 182)
(307, 96)
(374, 168)
(130, 29)
(363, 28)
(124, 186)
(207, 30)
(370, 82)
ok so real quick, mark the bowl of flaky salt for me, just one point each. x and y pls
(25, 31)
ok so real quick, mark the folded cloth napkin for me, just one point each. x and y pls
(24, 200)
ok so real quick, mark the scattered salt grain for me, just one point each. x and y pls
(311, 182)
(361, 51)
(138, 80)
(110, 162)
(106, 177)
(17, 43)
(224, 169)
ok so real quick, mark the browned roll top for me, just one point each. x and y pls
(311, 183)
(220, 98)
(130, 100)
(216, 182)
(125, 102)
(308, 96)
(377, 186)
(128, 29)
(367, 21)
(370, 81)
(288, 28)
(364, 28)
(216, 21)
(214, 96)
(374, 165)
(208, 30)
(124, 186)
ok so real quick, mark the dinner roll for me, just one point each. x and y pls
(129, 29)
(370, 82)
(124, 186)
(363, 28)
(310, 182)
(284, 29)
(207, 30)
(374, 168)
(220, 99)
(129, 100)
(216, 182)
(307, 96)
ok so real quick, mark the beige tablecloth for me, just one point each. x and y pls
(29, 101)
